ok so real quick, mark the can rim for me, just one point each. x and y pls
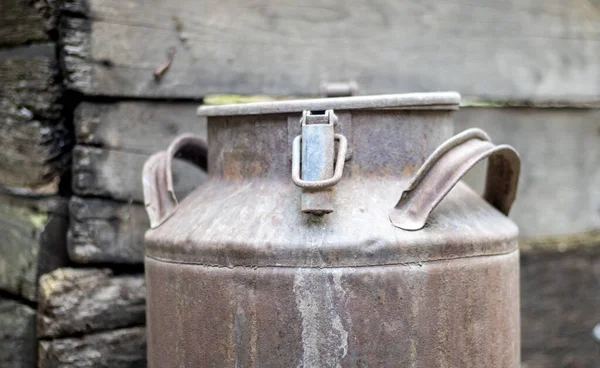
(420, 101)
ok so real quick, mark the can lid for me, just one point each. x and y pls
(430, 100)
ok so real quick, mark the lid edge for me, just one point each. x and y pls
(451, 100)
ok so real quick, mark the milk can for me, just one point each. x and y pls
(334, 233)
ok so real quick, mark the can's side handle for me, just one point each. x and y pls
(447, 165)
(157, 177)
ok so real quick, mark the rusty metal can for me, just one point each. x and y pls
(334, 233)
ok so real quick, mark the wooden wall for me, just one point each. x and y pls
(82, 107)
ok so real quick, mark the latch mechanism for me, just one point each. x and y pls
(313, 154)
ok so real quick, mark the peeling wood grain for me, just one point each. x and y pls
(559, 186)
(17, 335)
(33, 243)
(511, 49)
(74, 49)
(104, 231)
(123, 348)
(118, 175)
(24, 21)
(81, 301)
(136, 126)
(32, 131)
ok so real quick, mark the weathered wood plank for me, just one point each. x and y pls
(24, 21)
(105, 231)
(32, 133)
(33, 242)
(30, 88)
(509, 49)
(559, 188)
(123, 135)
(17, 335)
(560, 305)
(124, 348)
(118, 175)
(136, 126)
(81, 301)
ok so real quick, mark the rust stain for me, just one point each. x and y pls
(162, 68)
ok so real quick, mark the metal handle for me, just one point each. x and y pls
(319, 184)
(157, 177)
(446, 166)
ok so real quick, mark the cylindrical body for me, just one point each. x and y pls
(239, 276)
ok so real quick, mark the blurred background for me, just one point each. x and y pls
(90, 88)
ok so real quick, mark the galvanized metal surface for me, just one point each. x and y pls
(596, 333)
(239, 276)
(316, 159)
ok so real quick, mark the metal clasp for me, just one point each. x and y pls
(339, 89)
(313, 154)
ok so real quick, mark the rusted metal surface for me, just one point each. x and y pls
(157, 177)
(162, 68)
(463, 313)
(239, 276)
(446, 166)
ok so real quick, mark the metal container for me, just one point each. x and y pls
(334, 233)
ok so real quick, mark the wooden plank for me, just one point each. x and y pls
(33, 242)
(136, 126)
(32, 132)
(124, 348)
(118, 175)
(29, 84)
(105, 231)
(559, 187)
(17, 335)
(541, 48)
(24, 21)
(123, 135)
(560, 305)
(81, 301)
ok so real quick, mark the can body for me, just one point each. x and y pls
(459, 313)
(243, 275)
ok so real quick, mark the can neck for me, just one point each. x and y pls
(381, 143)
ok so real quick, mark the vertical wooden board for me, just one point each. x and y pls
(541, 48)
(33, 243)
(136, 126)
(559, 187)
(32, 132)
(105, 231)
(118, 175)
(17, 335)
(123, 348)
(24, 21)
